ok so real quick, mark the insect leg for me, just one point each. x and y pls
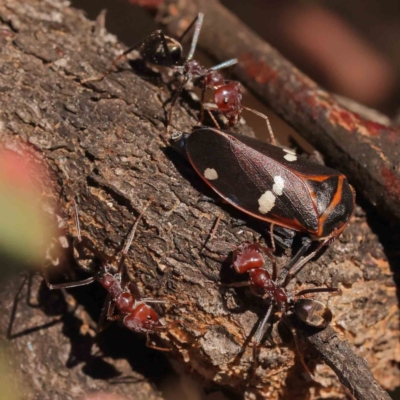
(175, 98)
(128, 51)
(295, 268)
(287, 273)
(317, 290)
(260, 333)
(270, 131)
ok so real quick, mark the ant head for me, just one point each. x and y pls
(248, 256)
(229, 97)
(143, 319)
(162, 50)
(312, 313)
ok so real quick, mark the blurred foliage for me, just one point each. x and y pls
(24, 229)
(8, 381)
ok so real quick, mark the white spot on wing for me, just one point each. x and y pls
(278, 185)
(210, 174)
(289, 151)
(290, 157)
(266, 202)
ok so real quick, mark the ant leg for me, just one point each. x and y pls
(66, 285)
(274, 270)
(209, 108)
(261, 328)
(14, 308)
(202, 100)
(83, 240)
(284, 277)
(213, 119)
(151, 346)
(317, 290)
(259, 335)
(131, 235)
(175, 98)
(212, 233)
(236, 284)
(79, 240)
(151, 300)
(271, 234)
(271, 133)
(296, 343)
(296, 268)
(197, 29)
(106, 314)
(112, 318)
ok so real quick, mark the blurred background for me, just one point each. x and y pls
(351, 48)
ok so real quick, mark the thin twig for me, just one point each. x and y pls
(351, 369)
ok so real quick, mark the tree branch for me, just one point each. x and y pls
(102, 143)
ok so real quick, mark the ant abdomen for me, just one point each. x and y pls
(161, 50)
(313, 313)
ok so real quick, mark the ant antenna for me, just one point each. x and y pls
(76, 218)
(133, 231)
(199, 23)
(180, 39)
(212, 233)
(225, 64)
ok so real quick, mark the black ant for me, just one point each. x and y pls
(162, 50)
(134, 311)
(250, 258)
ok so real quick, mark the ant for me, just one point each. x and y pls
(250, 258)
(132, 308)
(227, 100)
(165, 51)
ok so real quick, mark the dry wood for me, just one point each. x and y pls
(103, 143)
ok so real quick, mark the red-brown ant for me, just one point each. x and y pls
(161, 50)
(136, 315)
(227, 100)
(250, 258)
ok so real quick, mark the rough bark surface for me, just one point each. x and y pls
(103, 143)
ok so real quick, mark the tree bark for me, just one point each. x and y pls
(104, 144)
